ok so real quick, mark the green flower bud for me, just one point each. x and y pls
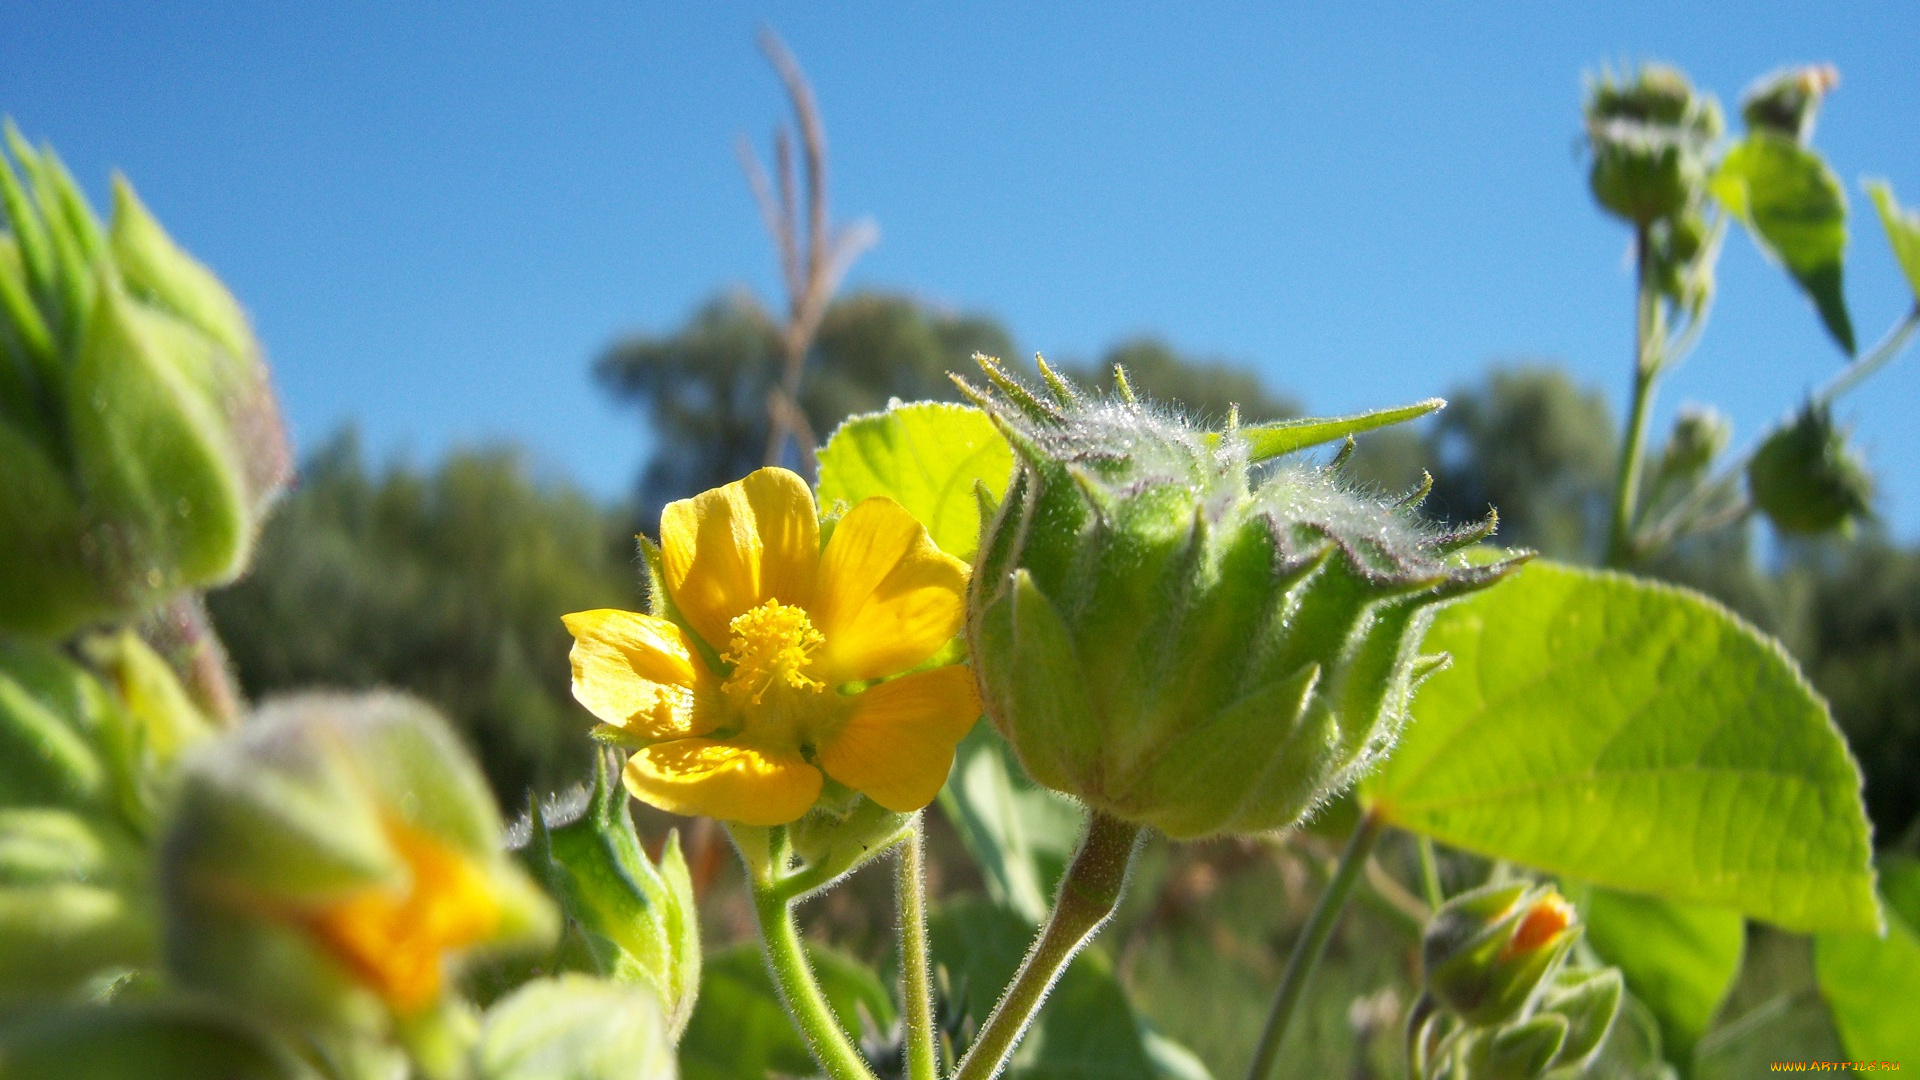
(331, 861)
(96, 739)
(1700, 435)
(627, 917)
(1649, 139)
(1523, 1051)
(1487, 952)
(578, 1028)
(1172, 643)
(1683, 250)
(1588, 1001)
(1787, 101)
(74, 902)
(53, 715)
(139, 440)
(1805, 477)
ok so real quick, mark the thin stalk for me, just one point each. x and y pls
(1647, 336)
(1430, 872)
(1088, 895)
(1677, 520)
(1889, 347)
(793, 977)
(1312, 943)
(910, 884)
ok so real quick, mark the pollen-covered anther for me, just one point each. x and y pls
(771, 643)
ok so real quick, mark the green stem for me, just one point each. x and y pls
(1889, 347)
(911, 888)
(1088, 895)
(1681, 518)
(1436, 893)
(793, 976)
(1312, 942)
(1647, 335)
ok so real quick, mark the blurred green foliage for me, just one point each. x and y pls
(447, 582)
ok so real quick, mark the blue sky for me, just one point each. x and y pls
(439, 213)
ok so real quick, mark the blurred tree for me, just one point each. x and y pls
(1865, 657)
(449, 584)
(704, 388)
(1536, 446)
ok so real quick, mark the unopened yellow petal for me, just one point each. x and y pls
(640, 673)
(897, 744)
(888, 598)
(715, 779)
(731, 549)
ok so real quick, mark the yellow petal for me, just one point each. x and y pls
(640, 673)
(715, 779)
(897, 745)
(888, 598)
(733, 548)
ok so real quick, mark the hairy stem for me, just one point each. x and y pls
(910, 885)
(1312, 943)
(1088, 895)
(1436, 894)
(793, 977)
(1647, 336)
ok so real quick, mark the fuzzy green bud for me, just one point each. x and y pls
(1787, 101)
(140, 443)
(628, 917)
(1522, 1051)
(577, 1028)
(1486, 953)
(1587, 1000)
(1649, 138)
(1179, 646)
(75, 902)
(1805, 477)
(332, 861)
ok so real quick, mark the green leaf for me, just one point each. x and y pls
(1019, 833)
(740, 1029)
(1679, 959)
(1087, 1029)
(1284, 437)
(172, 1043)
(925, 456)
(1872, 984)
(575, 1027)
(1903, 231)
(1638, 736)
(1795, 209)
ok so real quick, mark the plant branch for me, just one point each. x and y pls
(1089, 892)
(800, 990)
(1436, 893)
(1648, 337)
(1678, 520)
(910, 884)
(1312, 943)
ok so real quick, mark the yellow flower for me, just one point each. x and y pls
(396, 939)
(743, 716)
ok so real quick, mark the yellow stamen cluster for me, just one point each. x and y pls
(772, 643)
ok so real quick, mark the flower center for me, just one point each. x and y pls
(396, 939)
(770, 646)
